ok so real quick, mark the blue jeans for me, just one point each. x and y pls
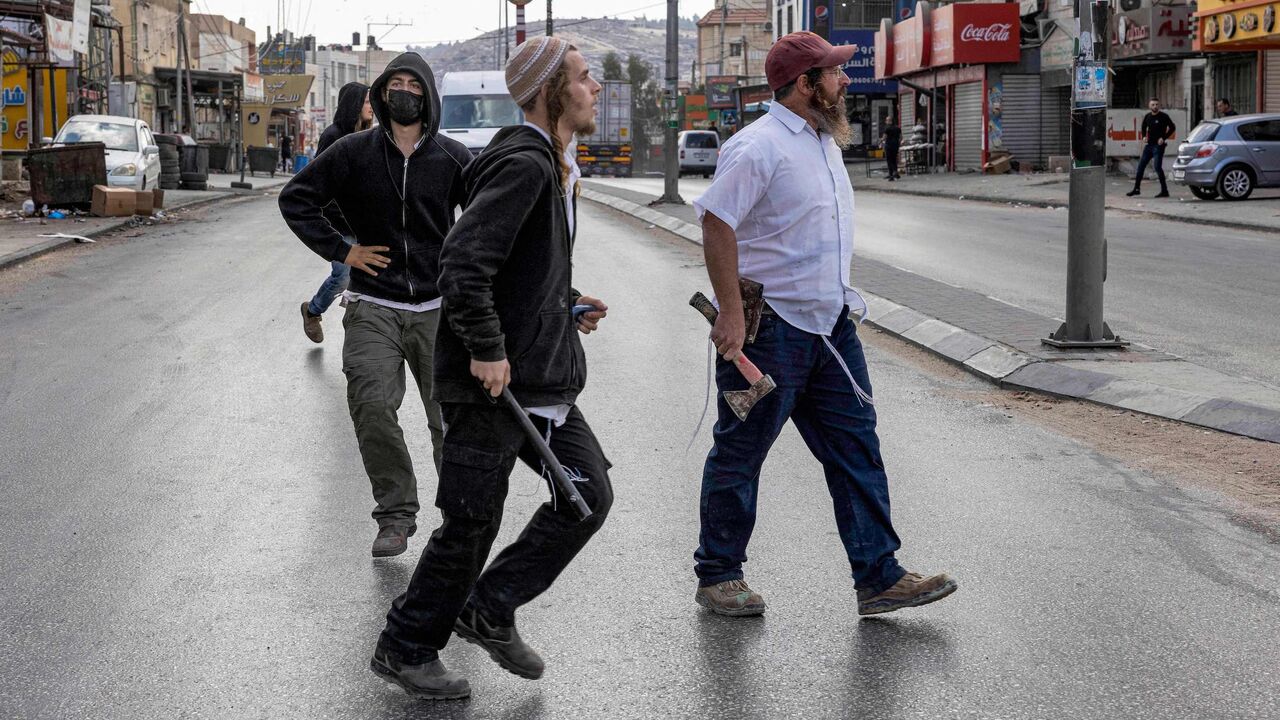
(1149, 153)
(339, 278)
(840, 431)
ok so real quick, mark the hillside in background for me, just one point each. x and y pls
(594, 37)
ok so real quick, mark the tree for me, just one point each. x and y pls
(638, 71)
(611, 66)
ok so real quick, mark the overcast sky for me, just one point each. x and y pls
(434, 21)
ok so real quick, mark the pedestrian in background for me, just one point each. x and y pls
(354, 113)
(286, 153)
(397, 187)
(506, 276)
(1157, 128)
(1223, 106)
(780, 213)
(891, 141)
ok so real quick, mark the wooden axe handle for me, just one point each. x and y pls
(745, 366)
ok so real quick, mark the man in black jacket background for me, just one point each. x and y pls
(354, 113)
(505, 274)
(1157, 129)
(397, 186)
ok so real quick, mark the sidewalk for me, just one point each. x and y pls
(1001, 342)
(20, 239)
(1260, 212)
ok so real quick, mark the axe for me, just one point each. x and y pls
(739, 401)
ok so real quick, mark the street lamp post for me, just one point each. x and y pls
(1086, 220)
(671, 173)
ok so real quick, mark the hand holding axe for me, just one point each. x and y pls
(739, 401)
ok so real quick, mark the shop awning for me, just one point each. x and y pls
(1233, 26)
(959, 34)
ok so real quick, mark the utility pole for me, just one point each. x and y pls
(549, 22)
(1086, 226)
(671, 174)
(177, 108)
(368, 39)
(724, 17)
(520, 27)
(186, 61)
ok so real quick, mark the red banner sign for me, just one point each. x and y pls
(960, 34)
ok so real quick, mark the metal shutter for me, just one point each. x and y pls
(967, 131)
(1055, 121)
(1235, 79)
(1020, 119)
(907, 110)
(1271, 81)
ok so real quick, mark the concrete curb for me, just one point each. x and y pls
(1004, 366)
(35, 251)
(995, 200)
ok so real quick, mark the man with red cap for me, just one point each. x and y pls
(780, 213)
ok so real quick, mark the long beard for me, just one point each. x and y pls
(832, 118)
(585, 129)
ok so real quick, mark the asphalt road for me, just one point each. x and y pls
(1209, 294)
(186, 530)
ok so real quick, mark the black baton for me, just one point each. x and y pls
(558, 476)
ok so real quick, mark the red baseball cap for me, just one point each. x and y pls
(797, 53)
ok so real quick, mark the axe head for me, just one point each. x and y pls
(741, 401)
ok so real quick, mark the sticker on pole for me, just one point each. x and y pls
(1091, 85)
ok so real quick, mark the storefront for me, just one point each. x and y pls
(951, 64)
(869, 100)
(278, 114)
(1243, 43)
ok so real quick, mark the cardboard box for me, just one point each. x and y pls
(112, 202)
(158, 196)
(144, 202)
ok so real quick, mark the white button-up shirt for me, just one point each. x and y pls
(785, 192)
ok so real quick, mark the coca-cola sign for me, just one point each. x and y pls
(995, 32)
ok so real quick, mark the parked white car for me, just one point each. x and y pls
(699, 151)
(133, 158)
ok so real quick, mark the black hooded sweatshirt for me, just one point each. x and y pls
(506, 279)
(387, 199)
(345, 120)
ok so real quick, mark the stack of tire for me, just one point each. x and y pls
(170, 164)
(194, 165)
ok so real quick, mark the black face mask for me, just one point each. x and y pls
(405, 107)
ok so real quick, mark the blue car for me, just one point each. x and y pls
(1228, 157)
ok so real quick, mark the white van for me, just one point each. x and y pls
(474, 106)
(699, 151)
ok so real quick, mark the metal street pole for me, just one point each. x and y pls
(549, 23)
(1086, 226)
(671, 171)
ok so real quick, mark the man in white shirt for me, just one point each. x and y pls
(780, 212)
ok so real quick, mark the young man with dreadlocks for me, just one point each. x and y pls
(780, 213)
(505, 275)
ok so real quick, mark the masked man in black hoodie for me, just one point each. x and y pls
(397, 186)
(354, 113)
(505, 275)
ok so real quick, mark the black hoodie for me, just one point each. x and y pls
(404, 203)
(506, 278)
(345, 120)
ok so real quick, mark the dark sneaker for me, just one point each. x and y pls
(430, 680)
(392, 540)
(912, 590)
(1133, 192)
(1162, 193)
(311, 325)
(503, 644)
(732, 598)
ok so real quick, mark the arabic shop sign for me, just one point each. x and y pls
(1223, 26)
(1152, 30)
(286, 91)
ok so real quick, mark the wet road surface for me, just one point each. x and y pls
(186, 525)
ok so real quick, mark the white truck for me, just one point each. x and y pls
(474, 106)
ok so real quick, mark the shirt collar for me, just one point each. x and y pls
(794, 122)
(570, 153)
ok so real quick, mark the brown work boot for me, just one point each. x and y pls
(430, 680)
(732, 598)
(392, 540)
(912, 590)
(311, 325)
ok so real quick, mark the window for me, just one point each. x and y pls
(116, 136)
(467, 112)
(780, 32)
(791, 19)
(862, 13)
(1265, 131)
(735, 49)
(146, 37)
(1204, 132)
(701, 141)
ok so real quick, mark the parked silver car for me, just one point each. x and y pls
(1229, 157)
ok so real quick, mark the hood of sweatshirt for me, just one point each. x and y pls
(350, 103)
(509, 141)
(413, 63)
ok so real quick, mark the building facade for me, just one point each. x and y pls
(733, 40)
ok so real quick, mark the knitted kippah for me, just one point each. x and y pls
(532, 64)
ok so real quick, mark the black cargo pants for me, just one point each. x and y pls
(481, 445)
